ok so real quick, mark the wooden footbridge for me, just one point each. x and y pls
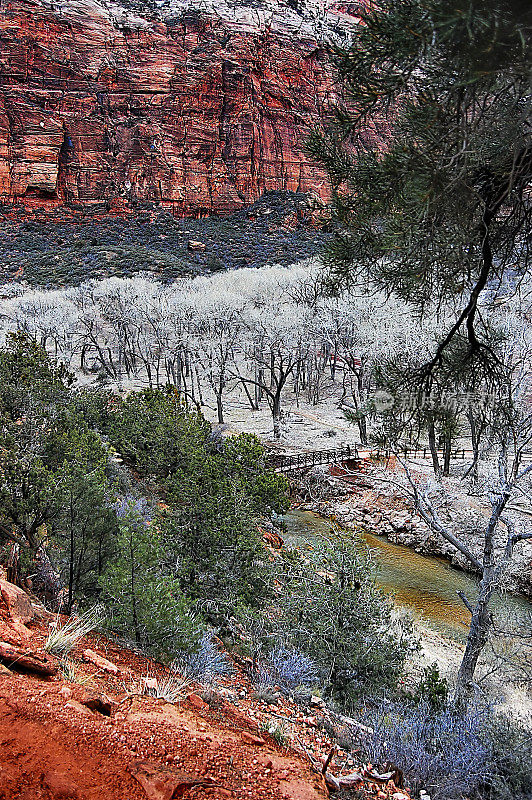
(286, 463)
(298, 462)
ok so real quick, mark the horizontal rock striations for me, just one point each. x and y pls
(102, 110)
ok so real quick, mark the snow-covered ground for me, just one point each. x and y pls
(314, 19)
(437, 649)
(304, 426)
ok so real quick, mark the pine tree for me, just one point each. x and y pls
(333, 612)
(145, 601)
(430, 158)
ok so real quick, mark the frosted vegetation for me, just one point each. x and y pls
(266, 337)
(255, 337)
(316, 18)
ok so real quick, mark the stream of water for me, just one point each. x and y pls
(426, 585)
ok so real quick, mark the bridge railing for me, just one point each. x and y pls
(306, 460)
(459, 454)
(297, 461)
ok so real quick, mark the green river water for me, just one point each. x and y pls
(426, 585)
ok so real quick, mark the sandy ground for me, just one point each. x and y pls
(304, 426)
(447, 654)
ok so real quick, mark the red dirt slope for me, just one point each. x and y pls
(131, 746)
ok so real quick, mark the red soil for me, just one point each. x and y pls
(52, 747)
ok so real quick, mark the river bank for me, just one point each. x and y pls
(509, 696)
(426, 587)
(372, 500)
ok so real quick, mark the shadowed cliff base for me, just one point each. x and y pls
(278, 228)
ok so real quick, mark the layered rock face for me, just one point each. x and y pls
(104, 110)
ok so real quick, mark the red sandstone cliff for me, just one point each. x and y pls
(104, 110)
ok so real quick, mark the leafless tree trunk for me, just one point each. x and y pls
(490, 567)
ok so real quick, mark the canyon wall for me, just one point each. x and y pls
(103, 110)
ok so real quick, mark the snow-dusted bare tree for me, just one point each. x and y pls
(219, 330)
(49, 317)
(500, 531)
(276, 344)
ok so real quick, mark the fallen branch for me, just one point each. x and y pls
(165, 782)
(351, 723)
(328, 759)
(395, 775)
(39, 662)
(332, 782)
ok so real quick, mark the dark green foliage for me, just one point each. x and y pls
(333, 612)
(49, 459)
(432, 688)
(221, 560)
(416, 416)
(64, 254)
(144, 600)
(208, 541)
(213, 523)
(56, 496)
(431, 159)
(215, 492)
(196, 556)
(242, 460)
(154, 432)
(27, 372)
(85, 528)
